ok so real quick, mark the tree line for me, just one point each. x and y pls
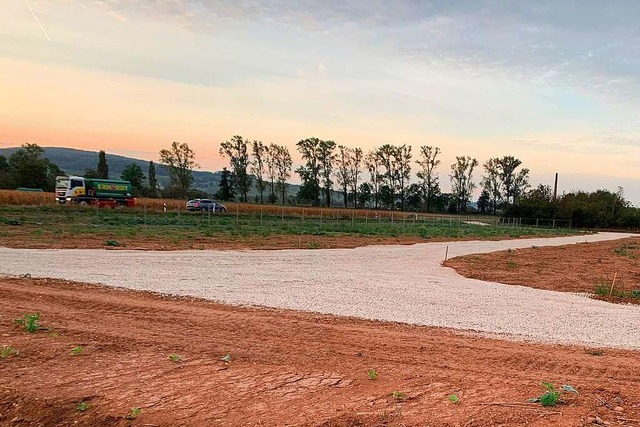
(333, 174)
(380, 178)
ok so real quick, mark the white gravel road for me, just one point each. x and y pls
(394, 283)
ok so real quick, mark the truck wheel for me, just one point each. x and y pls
(203, 209)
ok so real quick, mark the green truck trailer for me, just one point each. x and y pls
(93, 191)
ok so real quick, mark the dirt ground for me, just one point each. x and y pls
(573, 268)
(285, 368)
(222, 242)
(31, 237)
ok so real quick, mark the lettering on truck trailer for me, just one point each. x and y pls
(112, 187)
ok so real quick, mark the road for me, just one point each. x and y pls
(391, 283)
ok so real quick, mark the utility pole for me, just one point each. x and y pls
(555, 188)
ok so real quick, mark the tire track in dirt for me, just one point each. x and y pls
(392, 283)
(287, 367)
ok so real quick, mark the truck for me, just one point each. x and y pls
(93, 191)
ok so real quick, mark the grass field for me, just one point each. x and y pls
(55, 224)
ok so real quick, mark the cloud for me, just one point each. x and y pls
(588, 46)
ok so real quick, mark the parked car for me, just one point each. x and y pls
(205, 205)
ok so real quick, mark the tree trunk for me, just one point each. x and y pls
(346, 195)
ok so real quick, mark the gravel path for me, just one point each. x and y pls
(394, 283)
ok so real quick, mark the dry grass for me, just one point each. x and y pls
(25, 198)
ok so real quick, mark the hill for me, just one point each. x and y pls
(74, 162)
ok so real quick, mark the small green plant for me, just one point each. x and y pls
(454, 398)
(602, 290)
(511, 265)
(372, 374)
(135, 412)
(226, 358)
(8, 351)
(76, 350)
(551, 397)
(595, 352)
(114, 243)
(82, 406)
(175, 358)
(314, 245)
(398, 395)
(30, 322)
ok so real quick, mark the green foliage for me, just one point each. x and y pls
(225, 188)
(91, 173)
(76, 350)
(7, 351)
(462, 184)
(236, 150)
(398, 395)
(82, 406)
(135, 412)
(103, 167)
(133, 174)
(454, 398)
(598, 209)
(28, 168)
(180, 161)
(153, 180)
(551, 396)
(372, 374)
(111, 242)
(175, 358)
(30, 322)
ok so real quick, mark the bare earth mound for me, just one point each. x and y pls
(584, 267)
(286, 368)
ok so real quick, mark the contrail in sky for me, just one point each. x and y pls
(36, 19)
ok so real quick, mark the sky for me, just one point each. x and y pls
(556, 84)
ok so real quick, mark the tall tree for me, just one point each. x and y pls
(28, 168)
(343, 171)
(236, 151)
(491, 182)
(428, 162)
(356, 171)
(326, 158)
(389, 175)
(372, 161)
(258, 165)
(402, 164)
(283, 166)
(310, 171)
(514, 183)
(484, 201)
(133, 174)
(103, 167)
(272, 171)
(180, 161)
(364, 194)
(225, 187)
(4, 172)
(414, 197)
(153, 181)
(462, 181)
